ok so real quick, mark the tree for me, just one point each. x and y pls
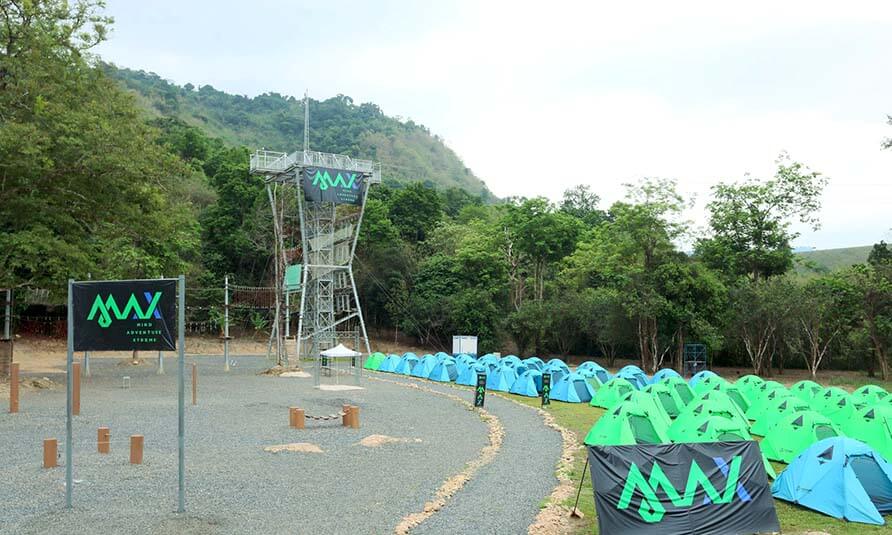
(580, 202)
(870, 288)
(819, 308)
(757, 313)
(750, 221)
(416, 210)
(603, 320)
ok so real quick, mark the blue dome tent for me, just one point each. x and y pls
(440, 356)
(444, 372)
(488, 359)
(424, 367)
(528, 384)
(592, 369)
(389, 363)
(699, 376)
(469, 376)
(572, 388)
(662, 374)
(510, 360)
(840, 477)
(406, 363)
(501, 378)
(534, 363)
(636, 377)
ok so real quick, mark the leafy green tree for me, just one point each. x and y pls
(750, 221)
(823, 314)
(758, 314)
(580, 202)
(604, 321)
(528, 326)
(870, 289)
(416, 210)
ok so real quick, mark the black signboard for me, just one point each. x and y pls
(480, 391)
(322, 184)
(546, 389)
(125, 315)
(714, 488)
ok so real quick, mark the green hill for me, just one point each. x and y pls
(828, 260)
(407, 150)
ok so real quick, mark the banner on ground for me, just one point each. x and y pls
(323, 184)
(714, 488)
(125, 315)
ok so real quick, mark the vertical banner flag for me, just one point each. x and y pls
(480, 391)
(125, 315)
(321, 184)
(546, 389)
(714, 488)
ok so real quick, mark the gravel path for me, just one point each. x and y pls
(505, 495)
(233, 486)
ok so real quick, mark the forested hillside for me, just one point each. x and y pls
(408, 151)
(828, 260)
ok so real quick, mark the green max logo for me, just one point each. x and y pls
(105, 309)
(652, 509)
(323, 180)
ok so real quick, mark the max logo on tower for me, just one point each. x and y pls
(124, 315)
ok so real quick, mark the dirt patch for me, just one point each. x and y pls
(299, 447)
(376, 441)
(285, 371)
(42, 383)
(131, 362)
(456, 482)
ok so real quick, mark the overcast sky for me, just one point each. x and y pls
(537, 97)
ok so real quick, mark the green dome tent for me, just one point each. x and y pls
(775, 412)
(708, 383)
(667, 397)
(873, 426)
(650, 404)
(733, 392)
(836, 404)
(758, 407)
(707, 428)
(627, 424)
(868, 395)
(806, 390)
(748, 384)
(374, 361)
(611, 392)
(680, 387)
(711, 404)
(794, 433)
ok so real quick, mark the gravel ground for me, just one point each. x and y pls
(233, 486)
(504, 496)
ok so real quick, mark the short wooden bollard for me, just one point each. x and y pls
(14, 387)
(296, 418)
(345, 420)
(50, 452)
(76, 389)
(103, 440)
(354, 416)
(136, 445)
(194, 384)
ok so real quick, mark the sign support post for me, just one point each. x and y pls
(69, 391)
(181, 397)
(480, 390)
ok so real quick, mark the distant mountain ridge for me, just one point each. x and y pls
(828, 260)
(407, 150)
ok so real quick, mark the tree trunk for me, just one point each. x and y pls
(679, 359)
(878, 349)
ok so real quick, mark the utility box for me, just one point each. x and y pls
(464, 344)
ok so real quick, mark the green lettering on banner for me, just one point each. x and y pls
(652, 509)
(106, 308)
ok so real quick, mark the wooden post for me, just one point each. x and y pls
(14, 387)
(76, 388)
(345, 420)
(296, 418)
(194, 384)
(136, 445)
(354, 416)
(103, 440)
(50, 452)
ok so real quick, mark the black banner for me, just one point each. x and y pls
(125, 315)
(546, 389)
(480, 391)
(716, 488)
(321, 184)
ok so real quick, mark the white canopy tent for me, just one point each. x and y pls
(328, 361)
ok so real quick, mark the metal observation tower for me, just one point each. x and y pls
(331, 191)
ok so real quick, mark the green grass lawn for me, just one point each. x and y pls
(579, 417)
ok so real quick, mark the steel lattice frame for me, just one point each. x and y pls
(328, 297)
